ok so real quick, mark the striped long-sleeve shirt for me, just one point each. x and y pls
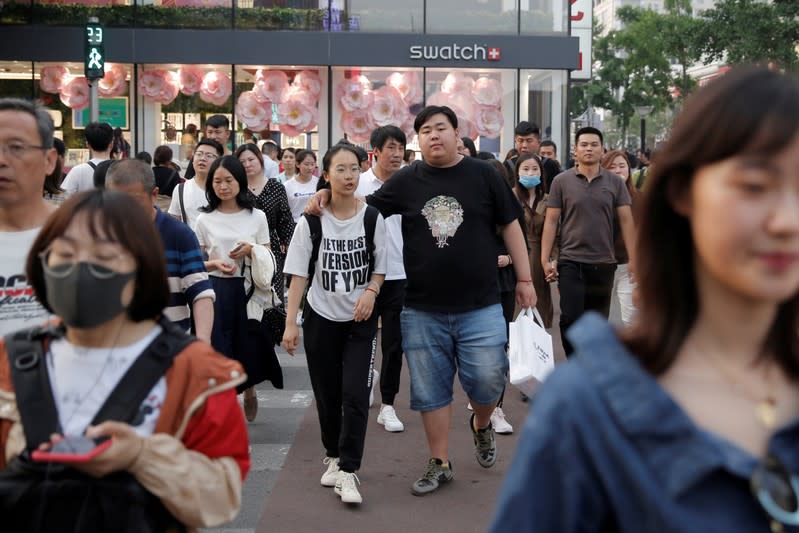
(188, 279)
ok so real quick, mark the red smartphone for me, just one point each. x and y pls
(79, 449)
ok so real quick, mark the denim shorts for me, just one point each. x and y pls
(437, 345)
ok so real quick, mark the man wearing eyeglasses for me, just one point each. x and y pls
(217, 128)
(26, 157)
(189, 197)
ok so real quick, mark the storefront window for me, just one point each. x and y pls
(542, 99)
(175, 101)
(375, 16)
(16, 79)
(543, 16)
(62, 88)
(365, 98)
(77, 12)
(483, 100)
(280, 103)
(303, 15)
(472, 17)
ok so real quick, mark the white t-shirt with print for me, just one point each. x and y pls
(193, 199)
(368, 184)
(18, 306)
(219, 232)
(341, 271)
(82, 379)
(298, 195)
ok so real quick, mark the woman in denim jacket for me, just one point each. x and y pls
(688, 420)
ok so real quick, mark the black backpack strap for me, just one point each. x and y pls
(369, 225)
(315, 225)
(124, 402)
(34, 395)
(182, 207)
(93, 165)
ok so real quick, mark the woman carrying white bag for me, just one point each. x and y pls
(529, 351)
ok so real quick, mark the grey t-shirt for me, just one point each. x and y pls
(587, 211)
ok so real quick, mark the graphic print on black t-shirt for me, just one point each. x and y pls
(444, 215)
(345, 264)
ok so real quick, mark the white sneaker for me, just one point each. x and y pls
(501, 425)
(375, 376)
(347, 487)
(388, 419)
(330, 476)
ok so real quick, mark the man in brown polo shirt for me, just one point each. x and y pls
(584, 200)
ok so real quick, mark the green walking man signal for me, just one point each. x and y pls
(94, 56)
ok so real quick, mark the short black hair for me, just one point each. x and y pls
(485, 156)
(381, 135)
(231, 163)
(213, 144)
(425, 114)
(408, 154)
(588, 130)
(218, 121)
(99, 136)
(270, 147)
(550, 143)
(162, 155)
(527, 128)
(361, 153)
(144, 156)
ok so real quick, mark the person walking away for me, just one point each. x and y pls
(100, 139)
(339, 323)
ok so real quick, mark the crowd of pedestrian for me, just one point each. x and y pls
(130, 330)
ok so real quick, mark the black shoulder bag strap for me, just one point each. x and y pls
(31, 381)
(182, 207)
(93, 165)
(369, 225)
(315, 225)
(124, 402)
(35, 396)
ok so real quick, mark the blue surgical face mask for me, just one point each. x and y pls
(530, 182)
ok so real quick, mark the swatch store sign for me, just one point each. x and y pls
(455, 52)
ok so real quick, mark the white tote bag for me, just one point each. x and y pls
(530, 351)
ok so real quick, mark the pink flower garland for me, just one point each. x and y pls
(159, 85)
(216, 88)
(477, 104)
(191, 78)
(297, 102)
(115, 81)
(75, 93)
(51, 78)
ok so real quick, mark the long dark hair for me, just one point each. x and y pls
(253, 149)
(522, 192)
(232, 164)
(747, 111)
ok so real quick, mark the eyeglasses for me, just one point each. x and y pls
(62, 264)
(777, 492)
(17, 149)
(205, 155)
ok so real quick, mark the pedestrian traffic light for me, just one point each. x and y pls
(94, 56)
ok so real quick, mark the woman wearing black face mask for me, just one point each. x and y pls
(114, 370)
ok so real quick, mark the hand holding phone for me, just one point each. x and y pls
(73, 450)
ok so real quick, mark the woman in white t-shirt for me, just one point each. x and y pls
(228, 230)
(338, 324)
(288, 158)
(300, 188)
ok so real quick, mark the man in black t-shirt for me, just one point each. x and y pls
(451, 207)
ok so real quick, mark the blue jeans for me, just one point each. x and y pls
(437, 345)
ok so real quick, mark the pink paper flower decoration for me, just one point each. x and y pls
(191, 79)
(355, 94)
(159, 85)
(51, 78)
(487, 91)
(358, 125)
(408, 85)
(438, 98)
(295, 93)
(488, 121)
(75, 93)
(309, 82)
(388, 107)
(253, 113)
(462, 104)
(271, 86)
(215, 88)
(296, 118)
(456, 82)
(114, 83)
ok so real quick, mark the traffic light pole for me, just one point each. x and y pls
(94, 102)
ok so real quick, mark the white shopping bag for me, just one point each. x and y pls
(530, 351)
